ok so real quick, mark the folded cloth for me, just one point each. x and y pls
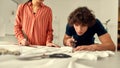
(88, 55)
(92, 55)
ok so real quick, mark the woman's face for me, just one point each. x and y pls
(80, 29)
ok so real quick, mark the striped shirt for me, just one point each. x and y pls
(36, 28)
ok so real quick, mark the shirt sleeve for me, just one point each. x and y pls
(18, 24)
(69, 30)
(50, 30)
(99, 28)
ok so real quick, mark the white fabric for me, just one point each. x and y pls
(92, 55)
(88, 55)
(59, 63)
(9, 61)
(40, 50)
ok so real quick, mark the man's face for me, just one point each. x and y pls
(80, 29)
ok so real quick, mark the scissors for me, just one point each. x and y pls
(55, 55)
(73, 45)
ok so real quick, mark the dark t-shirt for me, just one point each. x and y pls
(88, 37)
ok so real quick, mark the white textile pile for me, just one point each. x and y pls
(92, 55)
(88, 55)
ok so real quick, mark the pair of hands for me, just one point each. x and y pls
(24, 42)
(71, 42)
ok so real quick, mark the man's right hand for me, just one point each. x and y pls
(69, 42)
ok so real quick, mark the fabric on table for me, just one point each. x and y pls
(88, 55)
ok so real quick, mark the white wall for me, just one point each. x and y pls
(7, 15)
(103, 9)
(110, 11)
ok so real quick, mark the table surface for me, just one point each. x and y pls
(109, 62)
(8, 61)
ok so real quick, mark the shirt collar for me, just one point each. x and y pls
(30, 4)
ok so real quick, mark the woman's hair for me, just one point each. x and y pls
(83, 16)
(29, 0)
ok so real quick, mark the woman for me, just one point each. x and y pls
(80, 30)
(33, 25)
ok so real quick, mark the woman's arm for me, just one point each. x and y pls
(18, 24)
(50, 30)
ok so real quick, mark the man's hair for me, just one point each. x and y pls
(83, 16)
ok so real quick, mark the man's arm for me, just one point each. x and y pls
(106, 44)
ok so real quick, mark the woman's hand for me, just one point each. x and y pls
(52, 45)
(24, 42)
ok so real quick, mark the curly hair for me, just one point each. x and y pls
(83, 16)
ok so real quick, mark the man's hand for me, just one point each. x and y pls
(85, 47)
(70, 42)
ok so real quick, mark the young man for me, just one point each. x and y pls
(81, 29)
(33, 25)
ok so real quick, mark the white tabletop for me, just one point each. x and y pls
(10, 61)
(108, 62)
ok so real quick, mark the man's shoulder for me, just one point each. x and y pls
(70, 26)
(97, 22)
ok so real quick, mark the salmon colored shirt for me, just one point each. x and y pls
(36, 28)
